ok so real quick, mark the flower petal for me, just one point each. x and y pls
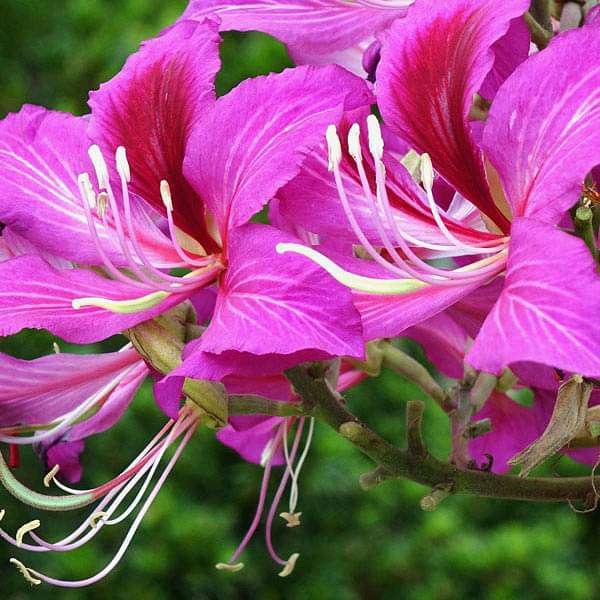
(257, 136)
(34, 294)
(151, 107)
(548, 310)
(543, 130)
(41, 390)
(41, 155)
(274, 303)
(432, 63)
(312, 26)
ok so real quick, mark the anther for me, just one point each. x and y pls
(24, 529)
(96, 518)
(426, 171)
(334, 147)
(2, 513)
(375, 138)
(56, 348)
(354, 142)
(165, 194)
(289, 565)
(293, 519)
(100, 167)
(102, 203)
(123, 164)
(50, 475)
(86, 188)
(25, 572)
(230, 568)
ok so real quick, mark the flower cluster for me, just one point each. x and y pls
(464, 216)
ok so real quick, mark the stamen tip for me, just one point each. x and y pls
(230, 568)
(24, 529)
(2, 513)
(123, 164)
(165, 194)
(290, 565)
(354, 142)
(334, 147)
(375, 137)
(96, 518)
(25, 571)
(426, 171)
(50, 475)
(293, 519)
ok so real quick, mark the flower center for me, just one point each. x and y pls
(113, 231)
(409, 272)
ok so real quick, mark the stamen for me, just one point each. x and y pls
(375, 137)
(165, 194)
(334, 147)
(123, 164)
(97, 518)
(290, 565)
(26, 572)
(231, 568)
(356, 282)
(354, 142)
(100, 167)
(296, 473)
(101, 204)
(24, 529)
(292, 519)
(49, 477)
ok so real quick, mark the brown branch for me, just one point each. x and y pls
(427, 470)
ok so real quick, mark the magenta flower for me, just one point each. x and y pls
(433, 62)
(187, 175)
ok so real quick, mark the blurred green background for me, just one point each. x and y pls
(353, 544)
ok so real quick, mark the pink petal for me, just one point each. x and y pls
(311, 26)
(509, 52)
(257, 136)
(546, 116)
(432, 63)
(34, 294)
(42, 390)
(514, 427)
(41, 155)
(151, 107)
(444, 343)
(274, 303)
(546, 313)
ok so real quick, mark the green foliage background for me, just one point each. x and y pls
(353, 544)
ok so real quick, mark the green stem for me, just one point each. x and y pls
(584, 227)
(252, 405)
(540, 37)
(426, 469)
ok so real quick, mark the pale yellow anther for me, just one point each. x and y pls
(24, 529)
(2, 513)
(334, 147)
(102, 203)
(56, 348)
(426, 171)
(85, 185)
(375, 137)
(100, 167)
(96, 518)
(50, 475)
(293, 519)
(230, 568)
(123, 164)
(165, 194)
(289, 566)
(25, 572)
(354, 142)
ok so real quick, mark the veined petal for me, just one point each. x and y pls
(256, 137)
(151, 107)
(312, 26)
(432, 63)
(548, 310)
(543, 130)
(34, 294)
(273, 303)
(36, 392)
(42, 153)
